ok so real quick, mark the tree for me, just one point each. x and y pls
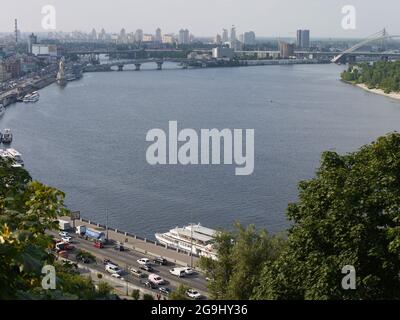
(241, 255)
(147, 296)
(135, 294)
(179, 293)
(349, 214)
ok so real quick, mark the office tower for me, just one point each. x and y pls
(303, 38)
(225, 37)
(93, 35)
(139, 35)
(286, 49)
(158, 36)
(184, 36)
(249, 38)
(218, 39)
(31, 41)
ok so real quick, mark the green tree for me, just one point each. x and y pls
(147, 296)
(179, 293)
(349, 214)
(242, 255)
(135, 294)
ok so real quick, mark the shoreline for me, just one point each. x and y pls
(392, 95)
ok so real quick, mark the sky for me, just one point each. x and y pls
(269, 18)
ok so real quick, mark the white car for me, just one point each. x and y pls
(191, 293)
(179, 272)
(66, 239)
(117, 275)
(63, 234)
(113, 269)
(156, 279)
(189, 271)
(143, 261)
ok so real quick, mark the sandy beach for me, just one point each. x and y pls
(393, 95)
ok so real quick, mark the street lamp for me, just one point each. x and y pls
(107, 224)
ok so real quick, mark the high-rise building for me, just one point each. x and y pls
(286, 49)
(233, 35)
(184, 36)
(249, 38)
(93, 35)
(139, 35)
(225, 37)
(122, 36)
(102, 35)
(218, 39)
(31, 41)
(303, 38)
(158, 36)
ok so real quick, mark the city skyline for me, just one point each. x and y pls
(272, 19)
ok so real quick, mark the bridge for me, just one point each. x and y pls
(381, 35)
(137, 63)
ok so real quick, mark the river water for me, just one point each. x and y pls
(88, 140)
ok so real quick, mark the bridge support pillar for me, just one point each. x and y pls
(159, 65)
(137, 66)
(120, 67)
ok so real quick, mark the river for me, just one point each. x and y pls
(88, 140)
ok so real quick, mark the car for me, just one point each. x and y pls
(110, 268)
(149, 284)
(143, 261)
(164, 290)
(189, 271)
(85, 260)
(161, 261)
(98, 244)
(156, 279)
(179, 272)
(117, 275)
(119, 248)
(63, 234)
(108, 261)
(137, 273)
(146, 267)
(191, 293)
(66, 239)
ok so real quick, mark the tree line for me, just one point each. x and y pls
(383, 75)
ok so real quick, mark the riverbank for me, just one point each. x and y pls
(393, 95)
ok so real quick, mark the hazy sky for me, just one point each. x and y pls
(206, 17)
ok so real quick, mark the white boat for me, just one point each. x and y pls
(2, 110)
(192, 238)
(32, 97)
(7, 136)
(15, 156)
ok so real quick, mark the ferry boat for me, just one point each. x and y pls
(191, 238)
(2, 110)
(7, 136)
(32, 97)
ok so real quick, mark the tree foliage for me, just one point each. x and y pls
(349, 214)
(242, 254)
(27, 209)
(383, 75)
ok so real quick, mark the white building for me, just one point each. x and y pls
(44, 50)
(223, 53)
(184, 36)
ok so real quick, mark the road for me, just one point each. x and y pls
(126, 259)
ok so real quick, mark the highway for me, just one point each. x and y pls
(128, 258)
